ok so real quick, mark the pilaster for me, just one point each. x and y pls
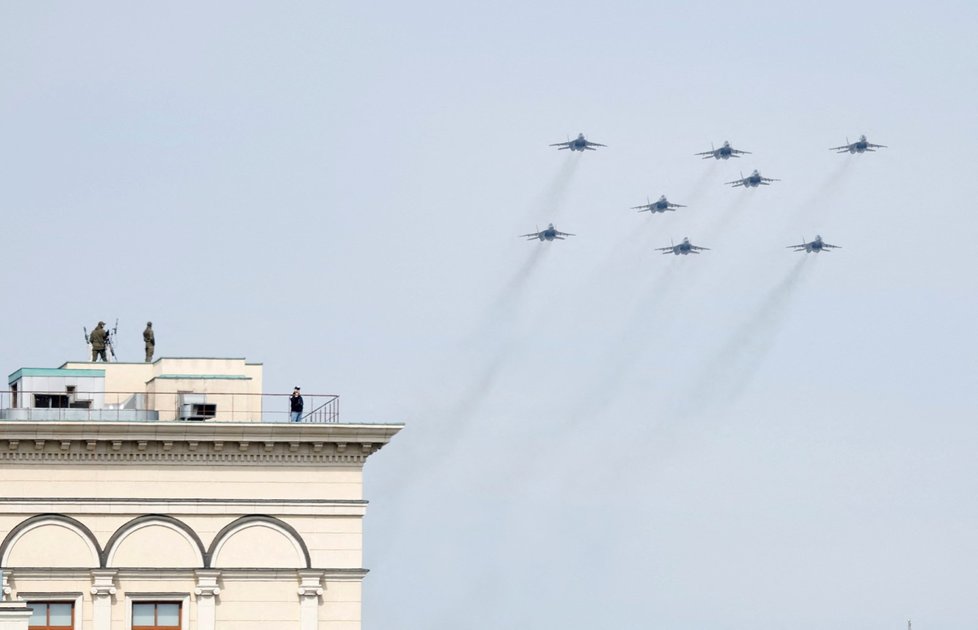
(310, 590)
(103, 590)
(207, 591)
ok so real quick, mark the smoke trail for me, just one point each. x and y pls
(827, 194)
(552, 199)
(701, 185)
(732, 368)
(633, 339)
(725, 217)
(449, 424)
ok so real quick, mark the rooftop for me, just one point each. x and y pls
(170, 389)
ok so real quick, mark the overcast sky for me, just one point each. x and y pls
(596, 435)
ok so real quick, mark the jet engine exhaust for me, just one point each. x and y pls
(555, 194)
(729, 372)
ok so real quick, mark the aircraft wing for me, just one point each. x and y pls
(708, 154)
(697, 248)
(594, 144)
(826, 245)
(876, 146)
(532, 235)
(798, 248)
(646, 208)
(736, 152)
(844, 147)
(562, 145)
(666, 250)
(735, 183)
(769, 179)
(562, 234)
(676, 205)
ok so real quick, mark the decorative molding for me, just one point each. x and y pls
(207, 586)
(151, 574)
(216, 457)
(40, 520)
(181, 443)
(310, 584)
(5, 588)
(182, 501)
(253, 520)
(103, 583)
(147, 520)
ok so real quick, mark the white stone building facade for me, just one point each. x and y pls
(119, 525)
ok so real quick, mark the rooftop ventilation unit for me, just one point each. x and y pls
(196, 407)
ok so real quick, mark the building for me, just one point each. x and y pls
(176, 494)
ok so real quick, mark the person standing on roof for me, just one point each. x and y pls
(295, 405)
(150, 340)
(98, 339)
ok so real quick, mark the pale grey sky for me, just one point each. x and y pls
(597, 435)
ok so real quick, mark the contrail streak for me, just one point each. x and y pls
(728, 373)
(701, 185)
(826, 195)
(727, 215)
(445, 427)
(552, 199)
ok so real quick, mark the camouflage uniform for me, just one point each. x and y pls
(150, 340)
(97, 339)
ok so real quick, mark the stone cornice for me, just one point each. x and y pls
(184, 443)
(242, 574)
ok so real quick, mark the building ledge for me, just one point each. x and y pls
(230, 443)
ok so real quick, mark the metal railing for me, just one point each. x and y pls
(181, 406)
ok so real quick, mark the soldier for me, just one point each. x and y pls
(150, 340)
(97, 339)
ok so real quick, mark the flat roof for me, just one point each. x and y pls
(61, 371)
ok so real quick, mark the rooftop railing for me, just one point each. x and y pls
(78, 406)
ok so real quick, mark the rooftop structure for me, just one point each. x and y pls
(169, 389)
(176, 492)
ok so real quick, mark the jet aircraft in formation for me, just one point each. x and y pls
(660, 205)
(548, 234)
(683, 248)
(816, 246)
(752, 181)
(723, 153)
(580, 143)
(859, 146)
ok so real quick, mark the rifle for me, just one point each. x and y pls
(110, 336)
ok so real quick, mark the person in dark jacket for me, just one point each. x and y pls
(98, 339)
(149, 338)
(295, 406)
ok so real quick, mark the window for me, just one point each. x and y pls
(51, 615)
(155, 615)
(51, 401)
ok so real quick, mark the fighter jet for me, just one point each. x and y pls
(723, 153)
(549, 234)
(752, 181)
(660, 205)
(580, 143)
(683, 248)
(859, 146)
(816, 246)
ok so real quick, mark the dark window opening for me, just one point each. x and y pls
(51, 401)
